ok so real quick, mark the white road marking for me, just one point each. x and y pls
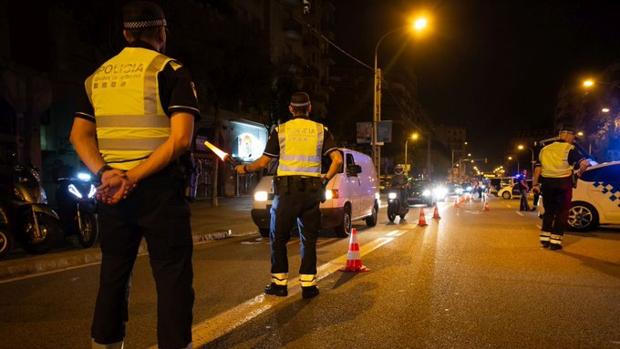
(223, 323)
(520, 213)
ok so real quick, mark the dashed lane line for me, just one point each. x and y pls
(223, 323)
(520, 213)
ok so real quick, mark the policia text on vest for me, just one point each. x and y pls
(135, 120)
(299, 145)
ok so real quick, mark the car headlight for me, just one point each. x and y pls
(73, 190)
(392, 196)
(469, 188)
(261, 195)
(426, 192)
(459, 191)
(84, 177)
(92, 191)
(440, 191)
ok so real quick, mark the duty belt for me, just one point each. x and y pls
(287, 184)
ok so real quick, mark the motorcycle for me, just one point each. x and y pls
(397, 206)
(25, 214)
(77, 207)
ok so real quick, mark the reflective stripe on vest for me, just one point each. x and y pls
(554, 160)
(301, 144)
(124, 93)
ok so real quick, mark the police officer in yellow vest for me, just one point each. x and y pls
(299, 145)
(554, 171)
(135, 123)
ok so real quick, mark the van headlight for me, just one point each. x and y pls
(440, 191)
(392, 196)
(331, 194)
(261, 195)
(459, 191)
(426, 192)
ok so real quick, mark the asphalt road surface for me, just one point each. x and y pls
(472, 279)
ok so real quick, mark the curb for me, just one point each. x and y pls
(44, 264)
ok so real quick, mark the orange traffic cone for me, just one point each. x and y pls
(422, 219)
(354, 262)
(436, 213)
(486, 206)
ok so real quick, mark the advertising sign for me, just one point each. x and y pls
(364, 132)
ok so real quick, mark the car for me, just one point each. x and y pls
(596, 198)
(496, 184)
(421, 193)
(454, 189)
(353, 194)
(511, 192)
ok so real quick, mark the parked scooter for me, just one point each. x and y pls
(77, 207)
(25, 215)
(397, 205)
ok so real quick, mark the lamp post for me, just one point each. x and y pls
(417, 25)
(414, 137)
(521, 147)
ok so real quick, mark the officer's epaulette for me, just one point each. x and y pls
(175, 65)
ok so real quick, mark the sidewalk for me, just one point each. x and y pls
(230, 218)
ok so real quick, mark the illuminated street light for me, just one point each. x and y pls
(587, 83)
(580, 133)
(414, 137)
(605, 110)
(520, 147)
(417, 25)
(510, 158)
(469, 154)
(465, 143)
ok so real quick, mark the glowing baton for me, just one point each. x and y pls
(224, 156)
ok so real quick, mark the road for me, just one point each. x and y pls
(472, 279)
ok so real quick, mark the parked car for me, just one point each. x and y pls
(352, 194)
(596, 198)
(496, 184)
(511, 192)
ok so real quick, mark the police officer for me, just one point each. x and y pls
(554, 171)
(299, 145)
(135, 122)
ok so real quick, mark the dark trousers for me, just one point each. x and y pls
(157, 210)
(290, 208)
(524, 205)
(536, 197)
(557, 195)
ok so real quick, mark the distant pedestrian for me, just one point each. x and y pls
(524, 191)
(554, 171)
(135, 125)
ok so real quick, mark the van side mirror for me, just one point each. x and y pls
(353, 170)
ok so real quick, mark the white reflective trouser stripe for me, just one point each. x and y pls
(544, 236)
(307, 280)
(280, 279)
(117, 345)
(556, 239)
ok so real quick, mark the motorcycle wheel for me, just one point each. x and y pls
(391, 214)
(89, 231)
(49, 228)
(6, 242)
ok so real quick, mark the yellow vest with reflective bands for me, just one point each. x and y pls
(301, 144)
(124, 93)
(554, 160)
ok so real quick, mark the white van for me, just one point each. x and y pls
(352, 194)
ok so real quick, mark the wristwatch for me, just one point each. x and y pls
(101, 171)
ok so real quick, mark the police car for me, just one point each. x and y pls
(596, 199)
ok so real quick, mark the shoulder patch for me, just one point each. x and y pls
(175, 65)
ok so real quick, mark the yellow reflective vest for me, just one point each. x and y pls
(301, 144)
(554, 160)
(124, 93)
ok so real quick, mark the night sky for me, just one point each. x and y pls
(493, 66)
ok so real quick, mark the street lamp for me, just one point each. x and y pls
(414, 137)
(510, 159)
(587, 83)
(521, 147)
(418, 25)
(605, 110)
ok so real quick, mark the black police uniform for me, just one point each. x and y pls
(557, 190)
(158, 211)
(297, 200)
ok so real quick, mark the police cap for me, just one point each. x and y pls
(567, 128)
(142, 14)
(300, 99)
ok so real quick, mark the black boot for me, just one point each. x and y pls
(544, 244)
(309, 292)
(555, 247)
(276, 290)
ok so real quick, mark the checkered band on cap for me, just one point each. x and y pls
(144, 24)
